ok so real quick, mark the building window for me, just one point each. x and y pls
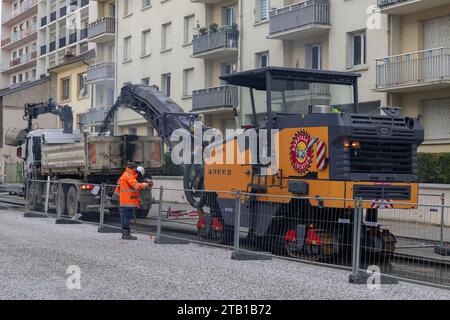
(65, 89)
(358, 48)
(150, 132)
(166, 80)
(226, 68)
(146, 41)
(146, 3)
(14, 79)
(262, 10)
(82, 85)
(20, 77)
(436, 119)
(314, 56)
(145, 81)
(126, 7)
(166, 36)
(229, 16)
(132, 131)
(127, 49)
(188, 82)
(189, 25)
(262, 59)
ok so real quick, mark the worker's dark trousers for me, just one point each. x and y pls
(125, 217)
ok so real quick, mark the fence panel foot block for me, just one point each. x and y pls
(363, 278)
(166, 240)
(240, 255)
(107, 229)
(67, 221)
(34, 215)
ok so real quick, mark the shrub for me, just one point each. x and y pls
(434, 168)
(171, 169)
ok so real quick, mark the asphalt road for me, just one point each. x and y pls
(36, 254)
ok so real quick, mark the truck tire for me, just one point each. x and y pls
(60, 202)
(72, 201)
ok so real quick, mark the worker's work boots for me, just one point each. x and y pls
(126, 235)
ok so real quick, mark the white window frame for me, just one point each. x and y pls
(186, 90)
(311, 47)
(127, 49)
(166, 88)
(146, 48)
(260, 16)
(166, 40)
(188, 29)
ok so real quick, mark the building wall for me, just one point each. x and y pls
(78, 103)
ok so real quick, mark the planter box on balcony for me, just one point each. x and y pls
(305, 19)
(217, 97)
(217, 44)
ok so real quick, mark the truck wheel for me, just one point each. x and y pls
(72, 201)
(60, 202)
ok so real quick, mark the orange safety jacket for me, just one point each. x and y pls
(128, 189)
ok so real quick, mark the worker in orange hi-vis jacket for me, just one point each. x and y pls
(128, 191)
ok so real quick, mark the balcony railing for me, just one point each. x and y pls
(101, 26)
(315, 90)
(16, 36)
(225, 37)
(101, 71)
(386, 3)
(300, 15)
(216, 97)
(23, 7)
(23, 59)
(411, 69)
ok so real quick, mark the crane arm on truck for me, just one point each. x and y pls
(156, 108)
(34, 110)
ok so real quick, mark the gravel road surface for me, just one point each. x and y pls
(35, 254)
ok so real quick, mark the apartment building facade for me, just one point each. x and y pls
(235, 35)
(415, 73)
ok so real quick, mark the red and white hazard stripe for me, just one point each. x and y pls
(382, 204)
(321, 155)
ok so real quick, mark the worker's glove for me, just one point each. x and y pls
(149, 182)
(115, 197)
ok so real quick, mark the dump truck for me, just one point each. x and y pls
(75, 162)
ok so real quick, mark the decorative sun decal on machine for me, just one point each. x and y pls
(302, 151)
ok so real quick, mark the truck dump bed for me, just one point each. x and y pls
(101, 155)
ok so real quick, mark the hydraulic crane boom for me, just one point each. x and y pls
(34, 110)
(159, 110)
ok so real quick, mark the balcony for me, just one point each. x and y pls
(305, 19)
(102, 30)
(315, 91)
(19, 38)
(27, 8)
(213, 45)
(403, 7)
(221, 97)
(101, 72)
(421, 70)
(19, 63)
